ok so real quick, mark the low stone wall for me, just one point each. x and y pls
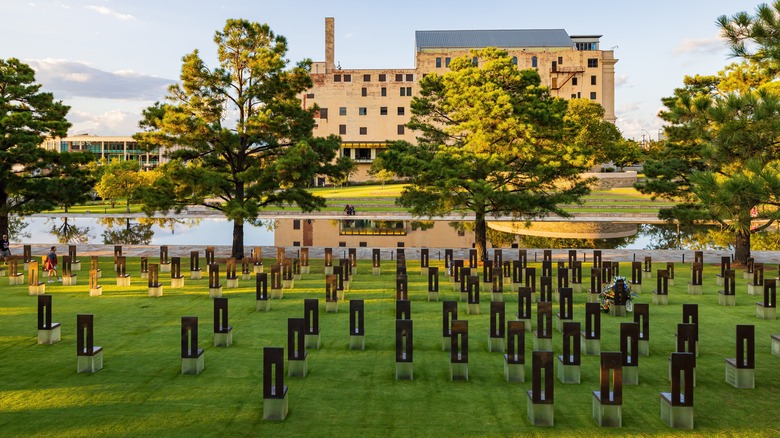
(611, 180)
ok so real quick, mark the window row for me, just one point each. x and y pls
(404, 91)
(400, 129)
(577, 95)
(363, 111)
(592, 62)
(382, 77)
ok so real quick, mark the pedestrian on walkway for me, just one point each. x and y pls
(51, 264)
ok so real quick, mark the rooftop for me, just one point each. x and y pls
(427, 39)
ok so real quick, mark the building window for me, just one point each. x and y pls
(593, 80)
(406, 91)
(438, 62)
(346, 152)
(560, 60)
(514, 60)
(399, 78)
(342, 129)
(324, 113)
(574, 81)
(336, 78)
(573, 95)
(383, 111)
(554, 66)
(366, 78)
(310, 96)
(342, 111)
(409, 77)
(592, 95)
(384, 91)
(363, 130)
(400, 110)
(447, 62)
(400, 129)
(364, 91)
(296, 224)
(382, 77)
(474, 61)
(347, 78)
(593, 62)
(362, 111)
(534, 62)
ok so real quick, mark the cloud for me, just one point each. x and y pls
(76, 79)
(111, 13)
(113, 122)
(621, 80)
(710, 45)
(629, 107)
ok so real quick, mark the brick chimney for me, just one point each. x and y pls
(330, 63)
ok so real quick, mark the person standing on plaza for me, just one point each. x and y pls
(51, 264)
(5, 249)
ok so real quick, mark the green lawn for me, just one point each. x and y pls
(140, 391)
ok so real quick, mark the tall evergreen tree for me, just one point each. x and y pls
(240, 136)
(33, 179)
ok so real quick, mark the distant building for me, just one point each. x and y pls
(108, 147)
(370, 107)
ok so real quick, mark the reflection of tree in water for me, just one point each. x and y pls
(422, 225)
(501, 239)
(67, 233)
(16, 229)
(119, 231)
(553, 243)
(688, 237)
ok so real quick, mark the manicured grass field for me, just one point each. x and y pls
(141, 391)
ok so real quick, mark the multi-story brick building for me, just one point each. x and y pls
(370, 107)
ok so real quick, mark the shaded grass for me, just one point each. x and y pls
(140, 391)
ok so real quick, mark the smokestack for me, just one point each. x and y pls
(330, 63)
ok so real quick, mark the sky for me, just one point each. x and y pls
(110, 59)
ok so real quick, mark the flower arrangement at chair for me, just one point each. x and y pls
(619, 291)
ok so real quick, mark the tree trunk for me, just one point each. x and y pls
(480, 236)
(742, 247)
(238, 239)
(4, 225)
(128, 205)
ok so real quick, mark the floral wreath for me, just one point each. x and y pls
(607, 295)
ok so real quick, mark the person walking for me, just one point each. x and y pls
(5, 249)
(51, 264)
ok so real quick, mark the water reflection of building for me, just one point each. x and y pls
(441, 234)
(369, 233)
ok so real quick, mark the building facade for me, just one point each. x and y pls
(108, 148)
(370, 107)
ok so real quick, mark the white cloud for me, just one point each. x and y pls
(621, 80)
(700, 45)
(111, 13)
(76, 79)
(113, 122)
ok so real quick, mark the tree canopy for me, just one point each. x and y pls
(124, 179)
(239, 134)
(492, 141)
(33, 179)
(721, 160)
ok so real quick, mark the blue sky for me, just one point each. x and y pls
(110, 59)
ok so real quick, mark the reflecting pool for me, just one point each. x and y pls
(336, 232)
